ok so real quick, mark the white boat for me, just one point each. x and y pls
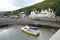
(31, 30)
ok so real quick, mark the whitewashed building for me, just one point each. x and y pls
(14, 16)
(32, 14)
(44, 13)
(22, 14)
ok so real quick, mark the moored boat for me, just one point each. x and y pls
(31, 30)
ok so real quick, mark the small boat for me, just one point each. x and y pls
(31, 30)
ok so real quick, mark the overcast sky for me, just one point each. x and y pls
(9, 5)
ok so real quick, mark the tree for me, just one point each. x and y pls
(58, 9)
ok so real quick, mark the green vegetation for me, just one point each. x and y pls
(58, 9)
(1, 15)
(53, 4)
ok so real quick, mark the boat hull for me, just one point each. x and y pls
(26, 31)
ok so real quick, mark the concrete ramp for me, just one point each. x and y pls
(56, 36)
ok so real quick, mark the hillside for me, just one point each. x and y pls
(53, 4)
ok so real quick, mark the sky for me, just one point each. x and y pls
(10, 5)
